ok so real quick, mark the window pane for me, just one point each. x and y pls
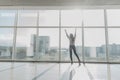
(114, 44)
(48, 44)
(6, 43)
(65, 54)
(71, 18)
(7, 17)
(25, 46)
(27, 18)
(113, 17)
(93, 17)
(48, 18)
(94, 44)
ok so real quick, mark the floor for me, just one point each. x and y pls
(56, 71)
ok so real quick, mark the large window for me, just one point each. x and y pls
(7, 17)
(94, 18)
(48, 44)
(94, 44)
(40, 34)
(6, 43)
(27, 18)
(114, 44)
(49, 18)
(25, 43)
(113, 17)
(71, 18)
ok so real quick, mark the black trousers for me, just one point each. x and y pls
(72, 47)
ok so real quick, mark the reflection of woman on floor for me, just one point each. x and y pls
(72, 45)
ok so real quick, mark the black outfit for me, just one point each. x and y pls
(72, 47)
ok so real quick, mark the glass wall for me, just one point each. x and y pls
(27, 18)
(94, 41)
(71, 18)
(114, 44)
(94, 35)
(25, 43)
(48, 36)
(6, 43)
(40, 34)
(7, 19)
(113, 18)
(49, 18)
(48, 44)
(93, 17)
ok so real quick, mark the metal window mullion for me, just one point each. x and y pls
(59, 35)
(14, 36)
(83, 53)
(37, 34)
(106, 35)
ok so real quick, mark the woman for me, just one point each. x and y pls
(72, 45)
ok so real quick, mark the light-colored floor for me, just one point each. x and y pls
(56, 71)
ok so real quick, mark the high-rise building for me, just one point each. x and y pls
(43, 46)
(5, 51)
(43, 43)
(114, 50)
(100, 51)
(33, 42)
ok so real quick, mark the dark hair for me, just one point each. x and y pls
(71, 35)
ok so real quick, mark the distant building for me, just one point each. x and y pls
(101, 51)
(33, 42)
(64, 54)
(87, 51)
(114, 50)
(43, 44)
(5, 51)
(21, 52)
(90, 51)
(53, 50)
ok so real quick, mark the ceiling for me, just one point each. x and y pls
(57, 2)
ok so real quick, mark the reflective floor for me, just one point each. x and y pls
(56, 71)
